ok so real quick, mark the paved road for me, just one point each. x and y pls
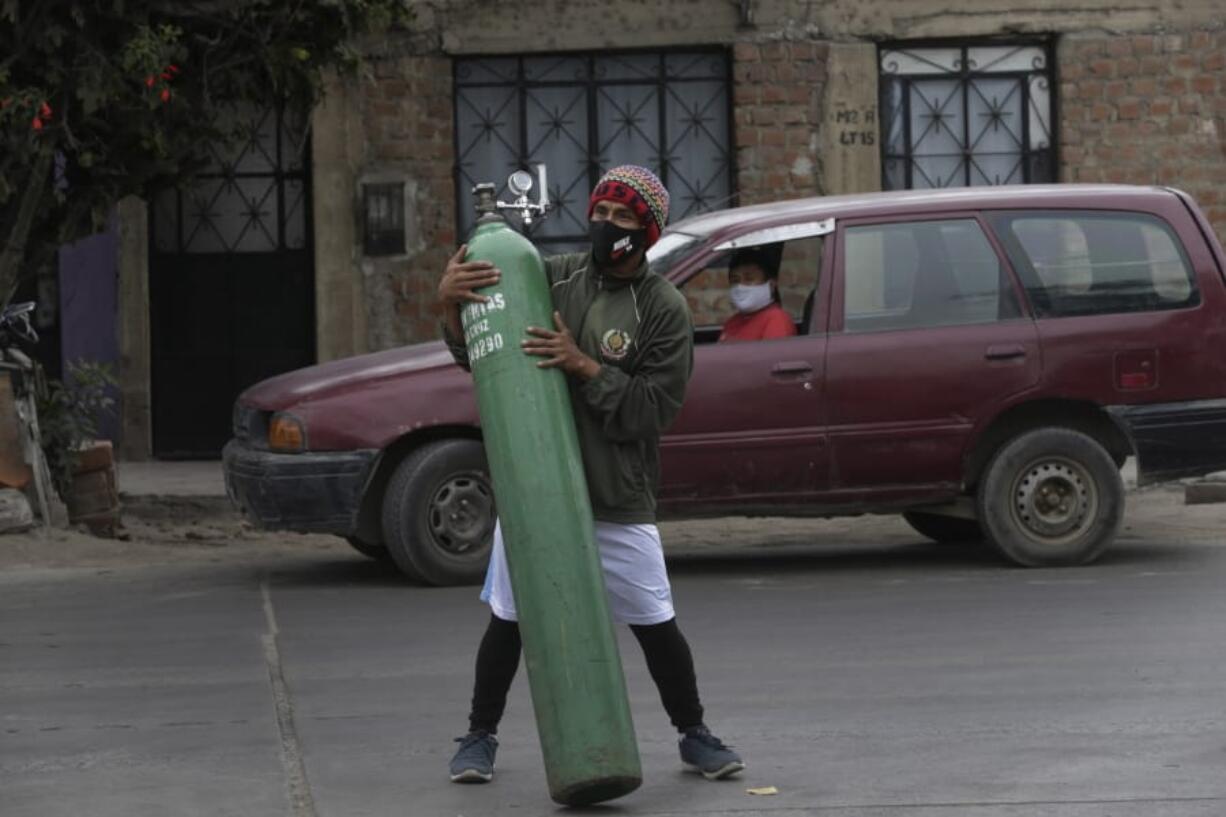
(866, 674)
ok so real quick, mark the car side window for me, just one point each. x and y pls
(1081, 263)
(918, 274)
(800, 262)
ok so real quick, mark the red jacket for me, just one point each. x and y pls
(769, 322)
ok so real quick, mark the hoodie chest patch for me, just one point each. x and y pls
(615, 344)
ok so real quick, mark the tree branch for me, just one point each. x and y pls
(23, 42)
(14, 251)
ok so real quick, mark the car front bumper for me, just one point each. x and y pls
(312, 492)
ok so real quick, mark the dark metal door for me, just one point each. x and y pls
(231, 283)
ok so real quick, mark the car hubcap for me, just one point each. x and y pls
(461, 514)
(1054, 500)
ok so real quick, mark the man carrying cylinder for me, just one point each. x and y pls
(627, 362)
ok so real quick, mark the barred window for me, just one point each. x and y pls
(253, 196)
(966, 115)
(581, 115)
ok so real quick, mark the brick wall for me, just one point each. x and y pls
(407, 111)
(776, 92)
(409, 127)
(1147, 109)
(1142, 109)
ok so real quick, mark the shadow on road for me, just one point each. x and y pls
(826, 558)
(790, 560)
(917, 556)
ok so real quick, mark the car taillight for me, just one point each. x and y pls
(285, 433)
(1136, 370)
(1136, 380)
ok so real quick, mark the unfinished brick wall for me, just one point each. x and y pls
(408, 113)
(777, 88)
(1142, 109)
(1147, 109)
(408, 119)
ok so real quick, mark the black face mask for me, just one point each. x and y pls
(612, 245)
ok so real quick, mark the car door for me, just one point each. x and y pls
(1128, 306)
(927, 338)
(752, 431)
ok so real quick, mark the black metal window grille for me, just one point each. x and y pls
(966, 115)
(581, 115)
(252, 197)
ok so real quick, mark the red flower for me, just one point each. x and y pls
(44, 111)
(165, 94)
(37, 124)
(172, 68)
(149, 81)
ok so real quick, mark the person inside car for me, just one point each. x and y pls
(627, 364)
(753, 288)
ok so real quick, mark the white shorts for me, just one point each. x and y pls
(634, 575)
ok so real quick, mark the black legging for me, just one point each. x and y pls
(668, 660)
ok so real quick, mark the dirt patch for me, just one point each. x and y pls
(176, 529)
(161, 530)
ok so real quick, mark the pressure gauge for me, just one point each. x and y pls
(520, 183)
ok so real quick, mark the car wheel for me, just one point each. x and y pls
(376, 552)
(438, 513)
(944, 528)
(1051, 497)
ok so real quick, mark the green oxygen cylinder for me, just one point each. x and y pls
(570, 649)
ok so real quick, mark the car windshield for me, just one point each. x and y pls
(669, 249)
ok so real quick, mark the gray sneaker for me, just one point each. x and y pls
(707, 755)
(474, 760)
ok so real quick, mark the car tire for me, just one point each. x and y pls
(1051, 497)
(944, 529)
(438, 513)
(377, 552)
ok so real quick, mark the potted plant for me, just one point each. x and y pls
(82, 466)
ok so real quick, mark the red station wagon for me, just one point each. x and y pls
(981, 360)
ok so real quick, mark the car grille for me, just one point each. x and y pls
(251, 425)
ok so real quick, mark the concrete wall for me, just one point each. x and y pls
(489, 26)
(338, 135)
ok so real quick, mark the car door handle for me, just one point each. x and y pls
(792, 368)
(1009, 351)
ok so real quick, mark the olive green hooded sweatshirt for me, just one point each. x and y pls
(639, 330)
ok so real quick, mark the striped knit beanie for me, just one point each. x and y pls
(640, 190)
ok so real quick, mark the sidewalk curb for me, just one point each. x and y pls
(1207, 491)
(159, 507)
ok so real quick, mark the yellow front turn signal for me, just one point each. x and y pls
(285, 433)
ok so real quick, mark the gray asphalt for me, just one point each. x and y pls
(878, 677)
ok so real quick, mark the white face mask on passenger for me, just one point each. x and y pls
(750, 297)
